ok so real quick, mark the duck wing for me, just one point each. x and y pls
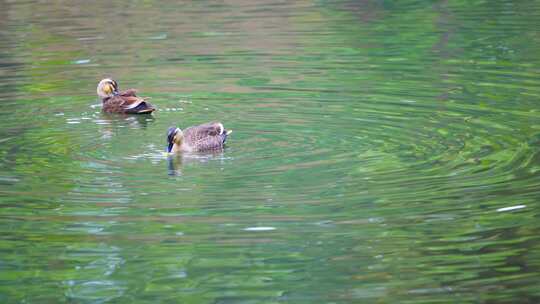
(127, 102)
(205, 137)
(129, 92)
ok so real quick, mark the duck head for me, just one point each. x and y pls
(107, 88)
(174, 137)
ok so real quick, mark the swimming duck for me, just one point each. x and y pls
(126, 102)
(206, 137)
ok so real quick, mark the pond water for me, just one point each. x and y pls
(382, 151)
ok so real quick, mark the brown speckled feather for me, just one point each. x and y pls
(205, 137)
(129, 92)
(127, 102)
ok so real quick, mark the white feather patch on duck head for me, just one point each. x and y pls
(174, 137)
(107, 88)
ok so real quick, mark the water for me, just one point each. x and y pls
(382, 152)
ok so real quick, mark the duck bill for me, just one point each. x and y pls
(169, 147)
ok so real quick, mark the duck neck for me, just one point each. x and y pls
(176, 147)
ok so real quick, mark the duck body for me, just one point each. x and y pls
(206, 137)
(126, 102)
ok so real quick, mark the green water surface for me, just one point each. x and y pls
(383, 152)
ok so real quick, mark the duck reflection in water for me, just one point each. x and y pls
(111, 122)
(177, 162)
(131, 121)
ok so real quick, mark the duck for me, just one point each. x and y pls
(126, 102)
(210, 136)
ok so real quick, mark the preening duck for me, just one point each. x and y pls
(126, 102)
(206, 137)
